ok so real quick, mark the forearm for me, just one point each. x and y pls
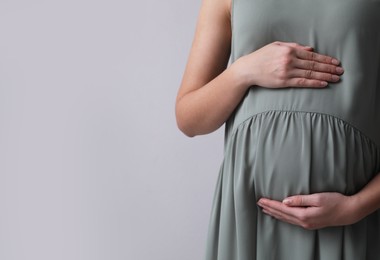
(368, 199)
(205, 109)
(202, 108)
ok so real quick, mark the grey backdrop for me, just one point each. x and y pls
(92, 165)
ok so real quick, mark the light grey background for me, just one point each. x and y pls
(92, 165)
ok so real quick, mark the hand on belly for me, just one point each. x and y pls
(313, 211)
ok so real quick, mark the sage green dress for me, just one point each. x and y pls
(282, 142)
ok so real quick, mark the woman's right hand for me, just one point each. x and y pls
(284, 64)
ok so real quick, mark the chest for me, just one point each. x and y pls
(258, 22)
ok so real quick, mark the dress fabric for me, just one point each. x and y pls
(287, 141)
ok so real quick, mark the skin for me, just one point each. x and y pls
(210, 91)
(325, 209)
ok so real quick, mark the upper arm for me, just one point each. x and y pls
(211, 46)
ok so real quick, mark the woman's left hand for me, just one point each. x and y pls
(313, 211)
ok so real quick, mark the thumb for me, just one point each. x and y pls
(302, 200)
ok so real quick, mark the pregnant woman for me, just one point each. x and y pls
(300, 100)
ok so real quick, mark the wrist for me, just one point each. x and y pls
(357, 208)
(241, 76)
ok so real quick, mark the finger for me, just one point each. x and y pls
(295, 45)
(281, 216)
(279, 206)
(313, 56)
(307, 224)
(312, 200)
(310, 74)
(304, 82)
(317, 66)
(305, 217)
(279, 210)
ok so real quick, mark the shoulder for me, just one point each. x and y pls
(222, 7)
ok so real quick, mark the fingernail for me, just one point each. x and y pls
(261, 202)
(324, 83)
(287, 201)
(335, 77)
(335, 61)
(339, 69)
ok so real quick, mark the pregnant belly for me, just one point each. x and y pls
(277, 153)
